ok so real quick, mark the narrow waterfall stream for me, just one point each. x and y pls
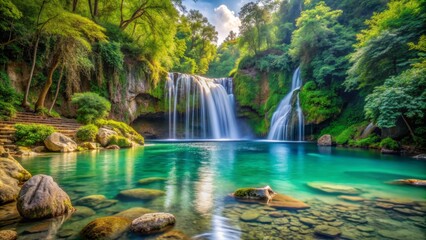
(288, 122)
(200, 108)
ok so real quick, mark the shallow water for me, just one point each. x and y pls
(201, 175)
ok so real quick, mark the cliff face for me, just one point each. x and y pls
(130, 91)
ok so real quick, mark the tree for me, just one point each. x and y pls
(90, 107)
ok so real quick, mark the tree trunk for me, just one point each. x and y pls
(409, 127)
(42, 97)
(57, 89)
(27, 91)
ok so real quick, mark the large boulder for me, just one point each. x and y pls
(41, 197)
(325, 140)
(106, 228)
(12, 174)
(153, 223)
(58, 142)
(104, 134)
(141, 194)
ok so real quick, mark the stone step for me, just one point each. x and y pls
(5, 141)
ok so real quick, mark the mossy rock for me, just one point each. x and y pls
(106, 228)
(141, 194)
(151, 180)
(249, 193)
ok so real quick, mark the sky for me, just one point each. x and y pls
(223, 14)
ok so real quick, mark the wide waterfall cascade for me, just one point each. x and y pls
(200, 108)
(287, 121)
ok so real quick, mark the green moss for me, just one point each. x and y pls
(122, 128)
(372, 141)
(389, 143)
(120, 141)
(32, 134)
(244, 192)
(87, 133)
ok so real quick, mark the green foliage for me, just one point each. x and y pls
(32, 134)
(226, 59)
(371, 141)
(111, 54)
(403, 95)
(389, 143)
(120, 141)
(9, 97)
(90, 107)
(87, 133)
(121, 128)
(346, 135)
(318, 105)
(7, 111)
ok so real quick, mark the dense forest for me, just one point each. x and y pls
(362, 61)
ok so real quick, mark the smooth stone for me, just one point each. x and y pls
(83, 212)
(133, 213)
(8, 235)
(280, 221)
(336, 223)
(408, 211)
(173, 235)
(64, 233)
(153, 223)
(308, 221)
(276, 214)
(41, 197)
(12, 174)
(41, 227)
(334, 188)
(365, 228)
(384, 205)
(286, 202)
(328, 231)
(58, 142)
(325, 140)
(91, 201)
(106, 203)
(151, 180)
(250, 215)
(264, 219)
(351, 198)
(106, 228)
(141, 193)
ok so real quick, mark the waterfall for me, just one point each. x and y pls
(287, 122)
(200, 108)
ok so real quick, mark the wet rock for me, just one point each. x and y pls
(58, 142)
(351, 198)
(334, 188)
(64, 233)
(41, 227)
(264, 219)
(89, 145)
(420, 156)
(258, 194)
(141, 194)
(408, 211)
(384, 205)
(11, 175)
(95, 202)
(153, 223)
(280, 221)
(365, 228)
(249, 216)
(151, 180)
(112, 147)
(83, 212)
(106, 228)
(335, 224)
(8, 235)
(276, 214)
(134, 213)
(104, 135)
(328, 231)
(325, 140)
(398, 234)
(173, 235)
(308, 221)
(412, 182)
(40, 197)
(286, 202)
(39, 149)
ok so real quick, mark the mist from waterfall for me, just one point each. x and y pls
(200, 108)
(287, 121)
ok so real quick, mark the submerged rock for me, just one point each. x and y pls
(327, 231)
(95, 201)
(40, 197)
(58, 142)
(413, 182)
(325, 140)
(106, 228)
(141, 193)
(287, 202)
(351, 198)
(151, 180)
(263, 194)
(250, 215)
(334, 188)
(83, 212)
(173, 235)
(153, 223)
(8, 235)
(11, 175)
(133, 213)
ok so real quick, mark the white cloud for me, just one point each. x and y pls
(225, 20)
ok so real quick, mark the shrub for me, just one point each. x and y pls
(389, 143)
(32, 134)
(120, 141)
(91, 107)
(87, 133)
(371, 141)
(7, 111)
(121, 128)
(346, 135)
